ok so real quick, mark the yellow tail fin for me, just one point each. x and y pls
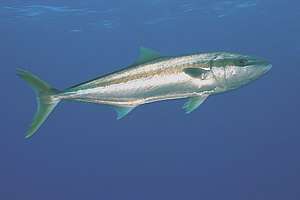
(45, 101)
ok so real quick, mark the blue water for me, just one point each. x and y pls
(242, 144)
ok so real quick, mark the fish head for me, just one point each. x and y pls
(233, 70)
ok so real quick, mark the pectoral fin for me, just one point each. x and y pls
(195, 72)
(122, 111)
(194, 102)
(147, 55)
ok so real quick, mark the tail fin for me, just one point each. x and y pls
(45, 101)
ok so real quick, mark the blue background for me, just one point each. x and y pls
(239, 145)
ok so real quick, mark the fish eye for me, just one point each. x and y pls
(242, 62)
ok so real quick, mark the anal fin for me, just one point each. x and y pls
(122, 111)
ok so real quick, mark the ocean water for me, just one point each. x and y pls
(242, 144)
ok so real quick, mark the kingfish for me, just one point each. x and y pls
(153, 78)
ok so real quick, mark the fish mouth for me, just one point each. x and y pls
(261, 66)
(267, 68)
(264, 68)
(256, 71)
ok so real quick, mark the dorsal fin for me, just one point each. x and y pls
(147, 55)
(195, 72)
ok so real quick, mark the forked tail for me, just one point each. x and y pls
(45, 100)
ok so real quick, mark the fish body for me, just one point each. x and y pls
(155, 78)
(161, 79)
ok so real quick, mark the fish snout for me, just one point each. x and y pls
(267, 68)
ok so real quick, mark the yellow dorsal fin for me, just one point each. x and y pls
(147, 55)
